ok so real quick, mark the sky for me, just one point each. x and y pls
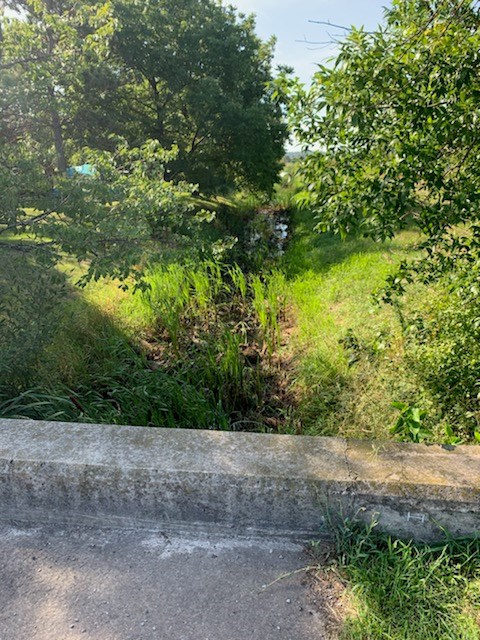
(288, 20)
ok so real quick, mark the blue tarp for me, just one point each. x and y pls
(82, 169)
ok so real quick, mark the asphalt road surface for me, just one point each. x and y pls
(68, 583)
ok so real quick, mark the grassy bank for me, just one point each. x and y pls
(347, 350)
(357, 366)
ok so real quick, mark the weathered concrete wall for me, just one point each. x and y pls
(134, 476)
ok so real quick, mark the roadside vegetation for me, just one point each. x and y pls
(380, 587)
(300, 347)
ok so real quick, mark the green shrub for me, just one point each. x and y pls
(443, 349)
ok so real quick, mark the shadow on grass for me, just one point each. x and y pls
(62, 358)
(30, 297)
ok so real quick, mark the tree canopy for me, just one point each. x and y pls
(162, 98)
(196, 76)
(393, 132)
(190, 74)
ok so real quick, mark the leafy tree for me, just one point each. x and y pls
(111, 218)
(191, 74)
(43, 53)
(195, 75)
(393, 130)
(188, 76)
(107, 219)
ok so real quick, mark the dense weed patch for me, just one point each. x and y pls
(205, 354)
(222, 329)
(443, 351)
(399, 590)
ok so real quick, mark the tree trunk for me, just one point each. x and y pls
(57, 134)
(56, 123)
(159, 111)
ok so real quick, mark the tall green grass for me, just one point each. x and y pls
(92, 372)
(189, 351)
(213, 315)
(347, 351)
(400, 590)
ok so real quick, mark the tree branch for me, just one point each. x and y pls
(330, 24)
(23, 247)
(13, 63)
(27, 223)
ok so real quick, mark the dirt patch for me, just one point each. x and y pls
(329, 592)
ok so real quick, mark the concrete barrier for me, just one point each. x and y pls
(245, 483)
